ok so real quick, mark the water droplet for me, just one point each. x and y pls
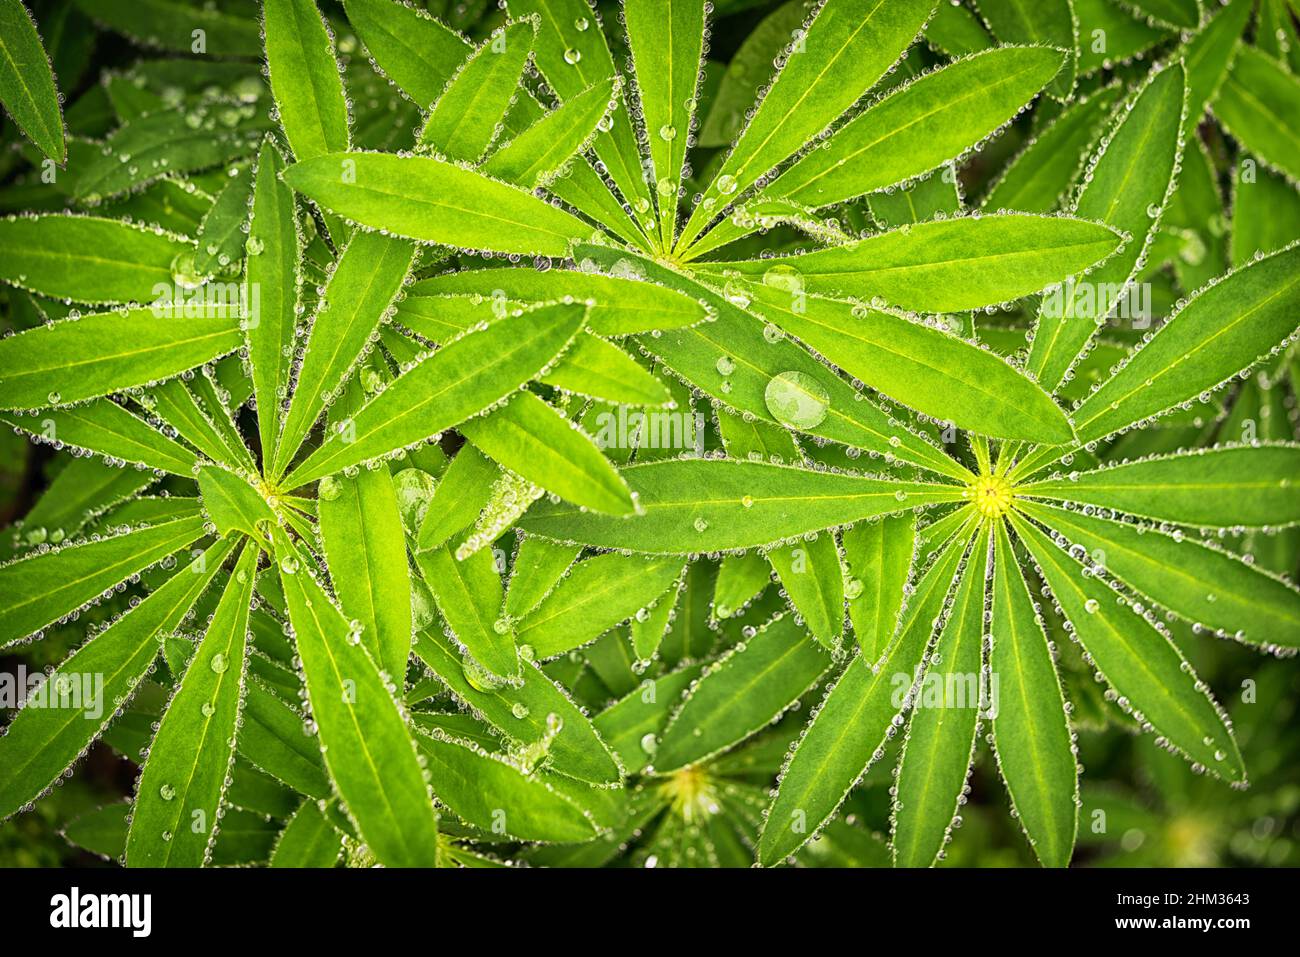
(167, 792)
(725, 365)
(219, 664)
(727, 184)
(797, 400)
(572, 56)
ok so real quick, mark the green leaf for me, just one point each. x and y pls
(275, 739)
(170, 25)
(361, 533)
(631, 724)
(572, 55)
(847, 47)
(741, 579)
(950, 265)
(852, 722)
(82, 491)
(87, 259)
(1139, 661)
(593, 597)
(1123, 35)
(272, 272)
(1211, 588)
(367, 745)
(423, 198)
(167, 143)
(1039, 177)
(691, 506)
(1259, 104)
(749, 69)
(27, 81)
(940, 740)
(46, 586)
(539, 564)
(181, 788)
(75, 359)
(757, 355)
(220, 235)
(813, 580)
(531, 439)
(938, 374)
(489, 792)
(1050, 22)
(620, 305)
(647, 631)
(1031, 733)
(469, 595)
(599, 370)
(1222, 487)
(233, 504)
(465, 489)
(467, 116)
(308, 840)
(1207, 56)
(666, 38)
(305, 80)
(101, 831)
(919, 126)
(741, 693)
(1220, 332)
(549, 148)
(40, 743)
(878, 560)
(103, 426)
(576, 749)
(1180, 14)
(462, 378)
(414, 50)
(369, 274)
(1132, 177)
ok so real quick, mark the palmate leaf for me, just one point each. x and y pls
(423, 198)
(1137, 660)
(458, 498)
(950, 265)
(174, 822)
(878, 561)
(459, 380)
(632, 723)
(40, 743)
(469, 595)
(1031, 733)
(27, 87)
(690, 505)
(853, 720)
(919, 126)
(360, 725)
(77, 359)
(847, 47)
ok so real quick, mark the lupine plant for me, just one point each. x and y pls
(578, 435)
